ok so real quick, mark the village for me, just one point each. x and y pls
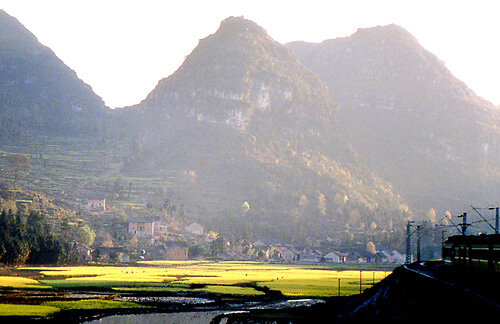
(152, 237)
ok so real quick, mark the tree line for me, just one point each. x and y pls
(28, 239)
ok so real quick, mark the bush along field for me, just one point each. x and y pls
(101, 288)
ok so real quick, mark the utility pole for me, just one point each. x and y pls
(442, 242)
(408, 242)
(464, 224)
(497, 226)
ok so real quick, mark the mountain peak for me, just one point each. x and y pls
(234, 72)
(14, 34)
(392, 31)
(38, 88)
(239, 23)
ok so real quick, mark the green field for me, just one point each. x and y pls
(26, 310)
(51, 307)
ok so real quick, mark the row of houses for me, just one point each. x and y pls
(293, 255)
(154, 228)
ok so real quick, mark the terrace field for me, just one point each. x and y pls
(67, 167)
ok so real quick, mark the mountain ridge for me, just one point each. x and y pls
(39, 91)
(416, 124)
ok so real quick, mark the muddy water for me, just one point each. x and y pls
(157, 318)
(199, 317)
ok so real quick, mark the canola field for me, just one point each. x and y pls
(235, 278)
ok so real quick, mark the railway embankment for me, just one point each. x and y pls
(430, 291)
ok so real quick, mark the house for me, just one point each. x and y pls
(96, 203)
(310, 257)
(106, 253)
(83, 253)
(194, 228)
(285, 254)
(147, 227)
(177, 251)
(382, 257)
(333, 257)
(354, 257)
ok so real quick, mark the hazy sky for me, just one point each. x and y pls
(123, 48)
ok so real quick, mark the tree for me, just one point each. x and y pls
(19, 164)
(370, 248)
(196, 251)
(431, 216)
(217, 246)
(28, 239)
(85, 235)
(321, 203)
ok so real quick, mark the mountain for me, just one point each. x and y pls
(409, 118)
(248, 136)
(237, 73)
(39, 94)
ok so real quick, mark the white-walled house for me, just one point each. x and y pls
(286, 254)
(147, 227)
(333, 257)
(95, 204)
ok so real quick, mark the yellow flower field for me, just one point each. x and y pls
(219, 277)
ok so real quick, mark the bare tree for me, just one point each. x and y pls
(19, 164)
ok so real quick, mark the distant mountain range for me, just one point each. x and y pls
(337, 139)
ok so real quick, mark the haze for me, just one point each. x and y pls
(123, 48)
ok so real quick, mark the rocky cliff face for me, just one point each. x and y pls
(38, 92)
(409, 118)
(235, 73)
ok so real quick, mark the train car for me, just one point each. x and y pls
(482, 251)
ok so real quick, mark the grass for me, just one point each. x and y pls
(27, 310)
(231, 290)
(90, 304)
(51, 307)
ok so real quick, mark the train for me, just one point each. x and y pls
(475, 251)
